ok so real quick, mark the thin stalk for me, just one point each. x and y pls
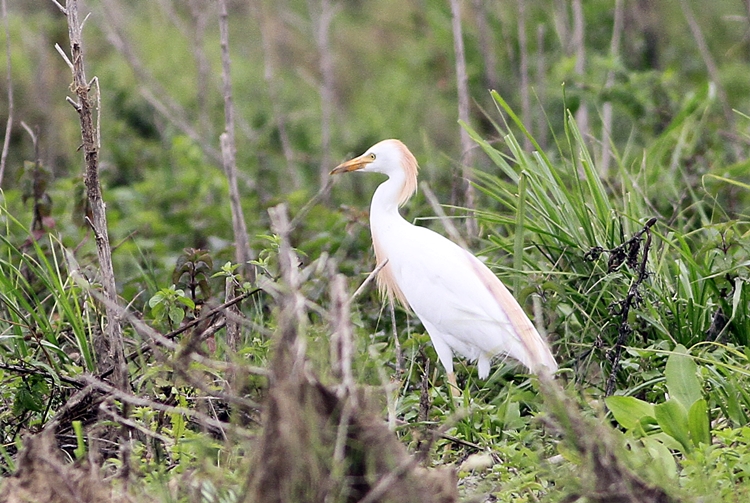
(112, 352)
(462, 85)
(229, 151)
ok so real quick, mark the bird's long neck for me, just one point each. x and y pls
(385, 220)
(384, 206)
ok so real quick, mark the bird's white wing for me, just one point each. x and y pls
(460, 298)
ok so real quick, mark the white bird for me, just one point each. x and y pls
(464, 307)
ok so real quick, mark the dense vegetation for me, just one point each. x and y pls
(611, 188)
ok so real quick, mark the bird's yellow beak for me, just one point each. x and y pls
(352, 165)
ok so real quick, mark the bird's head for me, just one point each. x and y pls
(389, 157)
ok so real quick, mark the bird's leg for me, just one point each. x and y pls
(455, 390)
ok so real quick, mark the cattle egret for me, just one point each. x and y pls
(464, 307)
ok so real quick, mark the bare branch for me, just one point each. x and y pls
(341, 339)
(290, 344)
(30, 131)
(396, 342)
(368, 279)
(462, 84)
(320, 196)
(62, 9)
(447, 223)
(228, 152)
(143, 402)
(112, 350)
(64, 57)
(73, 103)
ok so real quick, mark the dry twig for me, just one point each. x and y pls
(462, 84)
(112, 352)
(229, 152)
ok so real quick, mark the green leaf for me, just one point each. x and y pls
(629, 410)
(186, 301)
(661, 455)
(158, 298)
(176, 314)
(673, 419)
(700, 429)
(682, 378)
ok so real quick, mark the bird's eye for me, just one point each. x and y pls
(372, 156)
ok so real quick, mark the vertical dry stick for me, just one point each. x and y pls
(269, 75)
(229, 150)
(341, 340)
(290, 345)
(486, 45)
(325, 63)
(111, 353)
(396, 342)
(9, 123)
(579, 48)
(541, 124)
(524, 50)
(462, 84)
(233, 327)
(614, 53)
(713, 70)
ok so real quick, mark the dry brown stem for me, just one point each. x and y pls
(110, 352)
(447, 223)
(462, 85)
(233, 327)
(229, 150)
(187, 412)
(341, 340)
